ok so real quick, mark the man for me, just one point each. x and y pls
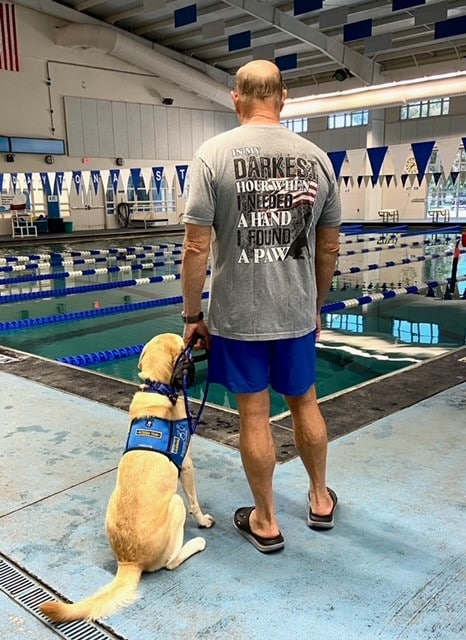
(272, 200)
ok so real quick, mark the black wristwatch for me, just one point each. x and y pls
(192, 319)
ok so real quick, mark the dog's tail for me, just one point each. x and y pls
(119, 593)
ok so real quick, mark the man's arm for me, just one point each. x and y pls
(327, 248)
(196, 249)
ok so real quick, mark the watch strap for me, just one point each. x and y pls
(192, 319)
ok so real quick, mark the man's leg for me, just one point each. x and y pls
(310, 432)
(258, 455)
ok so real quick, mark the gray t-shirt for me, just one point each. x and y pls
(263, 189)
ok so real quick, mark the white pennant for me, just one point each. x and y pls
(448, 151)
(358, 162)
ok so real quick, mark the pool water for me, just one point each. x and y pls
(356, 345)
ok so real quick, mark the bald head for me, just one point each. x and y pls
(259, 80)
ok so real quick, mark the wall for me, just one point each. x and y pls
(32, 104)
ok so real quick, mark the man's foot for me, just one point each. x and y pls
(323, 522)
(265, 545)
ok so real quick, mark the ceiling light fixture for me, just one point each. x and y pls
(390, 94)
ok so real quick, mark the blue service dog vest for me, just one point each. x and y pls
(170, 437)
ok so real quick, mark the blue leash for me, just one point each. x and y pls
(193, 425)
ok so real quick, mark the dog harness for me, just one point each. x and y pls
(170, 437)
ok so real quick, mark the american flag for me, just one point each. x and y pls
(305, 197)
(9, 58)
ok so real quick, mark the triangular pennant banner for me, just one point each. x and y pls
(376, 158)
(124, 173)
(388, 179)
(397, 155)
(14, 181)
(357, 161)
(158, 177)
(44, 178)
(346, 180)
(404, 177)
(437, 175)
(58, 185)
(454, 176)
(95, 179)
(337, 158)
(77, 181)
(104, 174)
(28, 178)
(422, 152)
(146, 174)
(360, 179)
(115, 178)
(181, 171)
(447, 150)
(136, 177)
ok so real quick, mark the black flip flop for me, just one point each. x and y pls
(323, 522)
(265, 545)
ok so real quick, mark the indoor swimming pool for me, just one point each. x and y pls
(94, 306)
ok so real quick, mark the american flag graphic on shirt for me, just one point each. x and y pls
(9, 56)
(305, 197)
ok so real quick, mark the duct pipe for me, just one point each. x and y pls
(378, 96)
(115, 44)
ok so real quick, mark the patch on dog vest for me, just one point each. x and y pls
(170, 437)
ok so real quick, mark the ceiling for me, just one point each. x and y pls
(401, 41)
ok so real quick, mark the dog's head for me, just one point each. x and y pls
(159, 356)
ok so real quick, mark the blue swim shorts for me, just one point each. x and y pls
(241, 366)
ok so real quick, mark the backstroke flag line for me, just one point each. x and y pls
(9, 58)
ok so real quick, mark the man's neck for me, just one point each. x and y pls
(260, 116)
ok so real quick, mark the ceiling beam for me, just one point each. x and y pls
(363, 68)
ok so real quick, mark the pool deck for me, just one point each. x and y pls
(391, 569)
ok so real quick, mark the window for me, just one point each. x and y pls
(298, 125)
(449, 194)
(421, 332)
(347, 322)
(350, 119)
(425, 109)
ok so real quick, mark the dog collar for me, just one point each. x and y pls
(163, 389)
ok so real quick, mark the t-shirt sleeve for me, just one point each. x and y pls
(201, 203)
(331, 212)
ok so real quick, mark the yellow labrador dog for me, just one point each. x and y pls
(145, 515)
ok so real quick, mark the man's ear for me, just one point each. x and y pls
(284, 97)
(235, 98)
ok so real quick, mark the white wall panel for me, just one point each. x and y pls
(148, 131)
(186, 127)
(161, 133)
(120, 132)
(174, 133)
(90, 128)
(209, 124)
(105, 128)
(133, 125)
(198, 129)
(74, 126)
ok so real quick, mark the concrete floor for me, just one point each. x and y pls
(392, 568)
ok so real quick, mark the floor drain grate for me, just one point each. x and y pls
(30, 594)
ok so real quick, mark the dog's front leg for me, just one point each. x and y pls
(188, 482)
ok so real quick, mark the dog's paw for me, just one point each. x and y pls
(199, 543)
(205, 521)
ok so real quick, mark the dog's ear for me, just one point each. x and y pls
(159, 356)
(142, 356)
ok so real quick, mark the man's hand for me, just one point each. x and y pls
(201, 329)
